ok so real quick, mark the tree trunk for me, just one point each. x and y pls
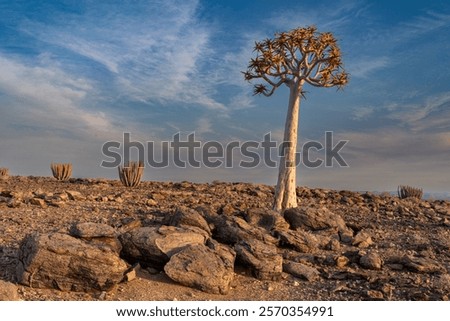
(285, 193)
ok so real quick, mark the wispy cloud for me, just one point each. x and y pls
(332, 17)
(365, 66)
(46, 98)
(396, 143)
(153, 55)
(362, 113)
(433, 115)
(204, 126)
(423, 24)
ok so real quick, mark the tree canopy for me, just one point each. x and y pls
(302, 54)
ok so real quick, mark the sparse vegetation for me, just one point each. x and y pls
(4, 172)
(130, 175)
(62, 172)
(405, 191)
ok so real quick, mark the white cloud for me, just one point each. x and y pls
(46, 97)
(424, 24)
(383, 158)
(396, 143)
(362, 113)
(154, 54)
(432, 115)
(204, 126)
(365, 66)
(331, 17)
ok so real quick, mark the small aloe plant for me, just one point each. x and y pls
(130, 175)
(4, 173)
(408, 191)
(62, 172)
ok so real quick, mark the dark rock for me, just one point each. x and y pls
(231, 230)
(14, 202)
(301, 271)
(153, 246)
(66, 263)
(227, 254)
(201, 267)
(300, 240)
(129, 224)
(422, 264)
(267, 219)
(75, 196)
(184, 217)
(371, 261)
(228, 210)
(38, 202)
(261, 257)
(316, 219)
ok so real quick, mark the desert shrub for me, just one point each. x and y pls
(409, 191)
(4, 172)
(62, 172)
(130, 175)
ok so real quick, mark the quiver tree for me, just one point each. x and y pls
(294, 58)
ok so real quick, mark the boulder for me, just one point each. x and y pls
(91, 230)
(202, 267)
(316, 219)
(8, 291)
(302, 241)
(262, 258)
(185, 217)
(37, 201)
(422, 264)
(154, 245)
(75, 196)
(97, 234)
(227, 254)
(301, 270)
(267, 219)
(63, 262)
(231, 230)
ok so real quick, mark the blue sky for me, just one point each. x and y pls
(75, 74)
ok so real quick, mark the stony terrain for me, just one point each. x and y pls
(387, 249)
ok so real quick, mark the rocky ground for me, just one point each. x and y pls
(392, 249)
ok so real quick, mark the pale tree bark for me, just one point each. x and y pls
(285, 192)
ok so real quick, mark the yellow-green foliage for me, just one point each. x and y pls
(408, 191)
(130, 175)
(62, 172)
